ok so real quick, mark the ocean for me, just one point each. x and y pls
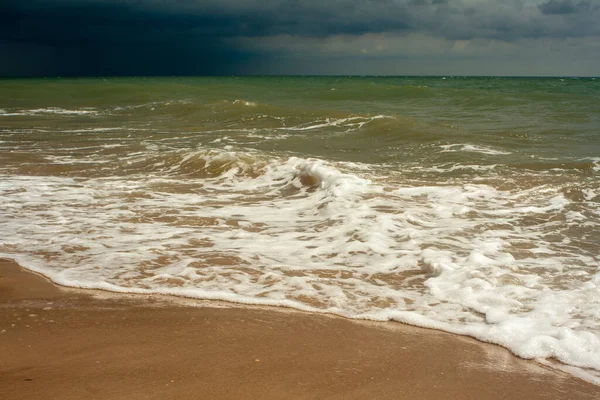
(465, 204)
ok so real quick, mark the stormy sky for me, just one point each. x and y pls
(337, 37)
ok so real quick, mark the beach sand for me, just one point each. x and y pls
(58, 343)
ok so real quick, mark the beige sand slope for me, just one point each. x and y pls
(66, 344)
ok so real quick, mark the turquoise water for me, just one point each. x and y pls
(470, 205)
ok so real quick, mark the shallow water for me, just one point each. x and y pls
(470, 205)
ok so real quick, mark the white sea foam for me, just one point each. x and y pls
(447, 148)
(90, 130)
(456, 167)
(492, 262)
(245, 136)
(153, 105)
(51, 110)
(69, 160)
(595, 161)
(352, 123)
(245, 103)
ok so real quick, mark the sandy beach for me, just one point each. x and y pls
(59, 343)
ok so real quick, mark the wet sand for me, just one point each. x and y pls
(58, 343)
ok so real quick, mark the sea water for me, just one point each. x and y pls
(470, 205)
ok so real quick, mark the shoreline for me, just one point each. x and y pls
(68, 343)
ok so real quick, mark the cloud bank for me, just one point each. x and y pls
(209, 37)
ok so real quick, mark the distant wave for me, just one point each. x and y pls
(472, 148)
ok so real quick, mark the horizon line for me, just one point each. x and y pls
(296, 76)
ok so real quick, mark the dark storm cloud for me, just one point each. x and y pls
(223, 18)
(105, 38)
(200, 36)
(563, 7)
